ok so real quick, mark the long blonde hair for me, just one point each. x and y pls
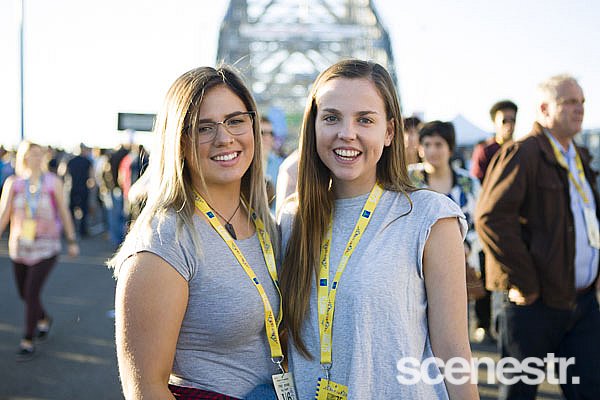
(315, 199)
(21, 166)
(171, 178)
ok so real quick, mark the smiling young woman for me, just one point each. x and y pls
(363, 245)
(197, 300)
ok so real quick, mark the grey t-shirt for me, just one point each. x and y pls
(222, 345)
(381, 304)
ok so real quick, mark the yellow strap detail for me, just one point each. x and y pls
(326, 296)
(271, 323)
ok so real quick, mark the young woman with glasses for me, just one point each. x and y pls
(197, 303)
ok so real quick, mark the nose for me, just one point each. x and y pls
(347, 132)
(222, 136)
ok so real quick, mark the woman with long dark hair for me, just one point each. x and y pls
(373, 273)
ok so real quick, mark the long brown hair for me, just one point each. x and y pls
(171, 175)
(315, 199)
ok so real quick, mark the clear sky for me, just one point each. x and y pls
(86, 61)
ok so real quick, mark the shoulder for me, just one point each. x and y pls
(52, 178)
(429, 206)
(11, 183)
(416, 174)
(290, 161)
(430, 200)
(467, 182)
(12, 179)
(53, 182)
(164, 225)
(461, 172)
(287, 213)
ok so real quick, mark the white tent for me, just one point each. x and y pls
(467, 133)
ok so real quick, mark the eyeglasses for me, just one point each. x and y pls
(238, 124)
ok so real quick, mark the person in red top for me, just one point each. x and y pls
(503, 114)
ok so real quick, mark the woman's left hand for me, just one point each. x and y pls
(73, 249)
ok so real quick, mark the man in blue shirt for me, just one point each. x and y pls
(537, 217)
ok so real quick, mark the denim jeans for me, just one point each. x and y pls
(536, 330)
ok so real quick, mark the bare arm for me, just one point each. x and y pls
(444, 270)
(6, 203)
(150, 302)
(65, 218)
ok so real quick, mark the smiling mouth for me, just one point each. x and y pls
(226, 157)
(346, 154)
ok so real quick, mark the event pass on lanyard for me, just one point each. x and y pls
(29, 224)
(326, 388)
(283, 382)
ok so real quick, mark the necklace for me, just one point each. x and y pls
(228, 225)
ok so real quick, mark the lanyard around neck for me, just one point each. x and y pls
(271, 323)
(579, 165)
(326, 296)
(31, 202)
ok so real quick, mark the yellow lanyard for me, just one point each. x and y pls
(31, 203)
(563, 163)
(326, 297)
(271, 323)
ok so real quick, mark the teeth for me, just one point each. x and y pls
(225, 157)
(347, 153)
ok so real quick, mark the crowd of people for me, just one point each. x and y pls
(229, 270)
(48, 195)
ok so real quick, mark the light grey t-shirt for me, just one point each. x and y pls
(381, 304)
(222, 345)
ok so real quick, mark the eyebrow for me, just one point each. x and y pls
(359, 113)
(233, 114)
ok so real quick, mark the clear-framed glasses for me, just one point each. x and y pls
(237, 124)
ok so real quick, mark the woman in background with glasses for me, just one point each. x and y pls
(191, 317)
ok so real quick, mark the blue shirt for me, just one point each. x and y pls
(586, 257)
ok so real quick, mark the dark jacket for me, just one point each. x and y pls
(525, 222)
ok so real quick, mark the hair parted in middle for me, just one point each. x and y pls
(171, 173)
(315, 197)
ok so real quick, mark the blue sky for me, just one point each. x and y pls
(88, 60)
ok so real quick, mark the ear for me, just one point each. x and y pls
(544, 109)
(421, 151)
(389, 133)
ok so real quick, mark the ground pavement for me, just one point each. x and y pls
(78, 360)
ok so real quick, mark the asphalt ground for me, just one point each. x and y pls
(78, 360)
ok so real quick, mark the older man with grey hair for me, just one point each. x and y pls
(537, 217)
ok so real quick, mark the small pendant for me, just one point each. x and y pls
(231, 231)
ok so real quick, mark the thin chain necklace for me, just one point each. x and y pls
(228, 225)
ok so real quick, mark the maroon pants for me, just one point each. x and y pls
(186, 393)
(30, 279)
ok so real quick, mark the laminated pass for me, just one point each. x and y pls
(284, 386)
(328, 390)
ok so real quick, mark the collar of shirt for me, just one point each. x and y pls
(569, 154)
